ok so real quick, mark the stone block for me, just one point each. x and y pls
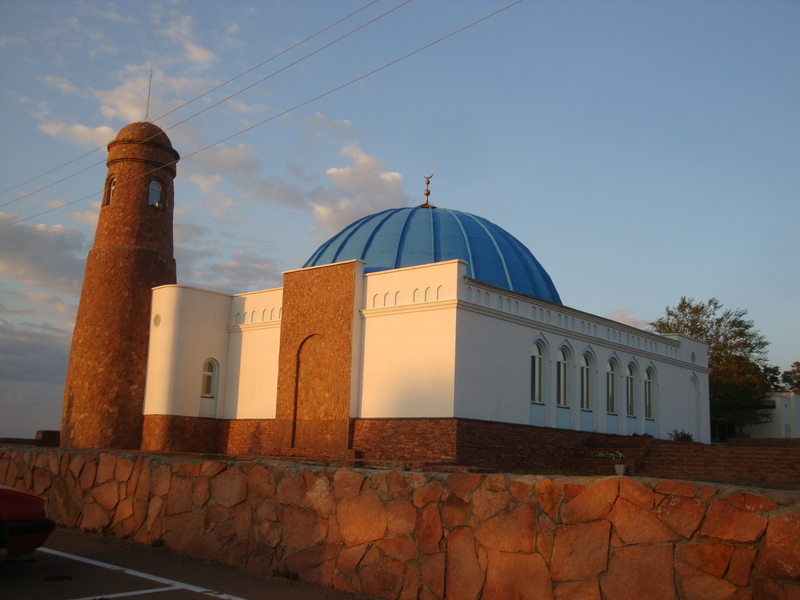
(700, 585)
(683, 515)
(400, 547)
(229, 487)
(361, 519)
(581, 551)
(741, 565)
(427, 494)
(636, 572)
(711, 557)
(463, 484)
(595, 502)
(588, 589)
(751, 502)
(503, 580)
(549, 497)
(347, 483)
(780, 556)
(431, 571)
(732, 524)
(401, 516)
(465, 577)
(635, 525)
(636, 493)
(485, 504)
(514, 531)
(428, 529)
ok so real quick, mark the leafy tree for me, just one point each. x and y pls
(791, 378)
(740, 381)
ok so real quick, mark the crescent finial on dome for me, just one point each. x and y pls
(427, 192)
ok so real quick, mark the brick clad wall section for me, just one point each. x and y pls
(413, 440)
(411, 535)
(315, 357)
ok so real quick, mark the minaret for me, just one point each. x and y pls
(132, 253)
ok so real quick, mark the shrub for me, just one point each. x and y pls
(680, 436)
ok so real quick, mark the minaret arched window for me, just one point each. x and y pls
(110, 185)
(154, 198)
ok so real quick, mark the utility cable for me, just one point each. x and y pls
(287, 111)
(185, 104)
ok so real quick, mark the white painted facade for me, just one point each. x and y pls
(435, 344)
(785, 419)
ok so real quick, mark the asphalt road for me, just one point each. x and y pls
(74, 565)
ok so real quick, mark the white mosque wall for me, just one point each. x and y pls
(433, 343)
(409, 334)
(188, 328)
(496, 334)
(252, 366)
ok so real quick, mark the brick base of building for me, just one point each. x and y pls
(464, 442)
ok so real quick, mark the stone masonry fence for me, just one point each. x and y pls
(425, 536)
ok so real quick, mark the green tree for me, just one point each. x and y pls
(791, 378)
(740, 381)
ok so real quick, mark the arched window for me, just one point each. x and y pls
(112, 183)
(536, 374)
(629, 392)
(586, 403)
(154, 199)
(561, 378)
(209, 388)
(611, 388)
(648, 394)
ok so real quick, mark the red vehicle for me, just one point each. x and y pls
(24, 523)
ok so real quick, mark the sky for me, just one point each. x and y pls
(643, 151)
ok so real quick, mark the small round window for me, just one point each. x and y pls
(154, 198)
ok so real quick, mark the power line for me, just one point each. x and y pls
(185, 104)
(289, 110)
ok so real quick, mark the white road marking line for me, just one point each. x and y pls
(126, 594)
(169, 582)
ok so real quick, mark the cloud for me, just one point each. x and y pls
(44, 257)
(80, 134)
(33, 368)
(363, 188)
(245, 271)
(332, 126)
(63, 84)
(620, 315)
(179, 30)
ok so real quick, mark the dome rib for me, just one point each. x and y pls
(411, 236)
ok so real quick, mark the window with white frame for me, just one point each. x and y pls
(648, 394)
(561, 378)
(586, 402)
(611, 387)
(630, 399)
(536, 374)
(208, 388)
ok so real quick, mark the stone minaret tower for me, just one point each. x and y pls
(132, 253)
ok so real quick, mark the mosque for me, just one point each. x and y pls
(416, 333)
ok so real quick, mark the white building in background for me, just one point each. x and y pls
(785, 418)
(452, 317)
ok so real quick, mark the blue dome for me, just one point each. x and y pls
(407, 237)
